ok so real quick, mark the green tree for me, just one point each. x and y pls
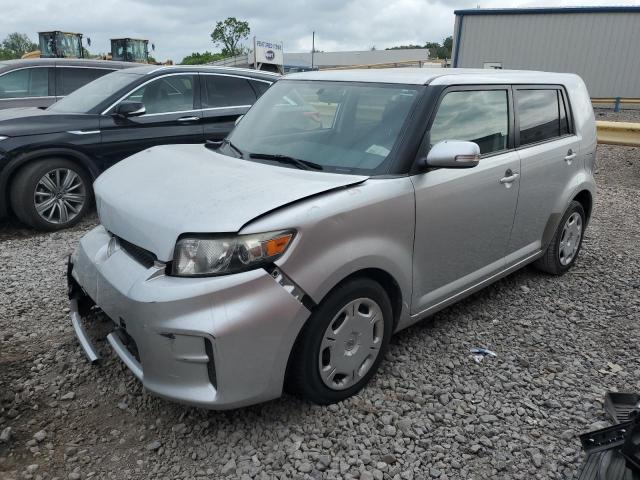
(228, 34)
(17, 44)
(197, 58)
(405, 47)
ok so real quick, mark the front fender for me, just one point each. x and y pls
(368, 226)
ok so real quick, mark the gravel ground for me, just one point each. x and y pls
(431, 412)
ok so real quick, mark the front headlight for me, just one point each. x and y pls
(3, 138)
(208, 255)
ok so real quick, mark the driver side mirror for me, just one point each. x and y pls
(452, 154)
(130, 109)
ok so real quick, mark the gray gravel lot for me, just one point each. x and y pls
(431, 412)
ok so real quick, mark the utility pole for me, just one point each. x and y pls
(313, 47)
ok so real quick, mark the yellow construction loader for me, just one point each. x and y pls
(58, 44)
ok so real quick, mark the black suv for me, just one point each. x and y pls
(49, 158)
(41, 82)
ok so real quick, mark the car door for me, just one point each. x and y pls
(71, 78)
(27, 87)
(224, 99)
(550, 159)
(464, 216)
(173, 115)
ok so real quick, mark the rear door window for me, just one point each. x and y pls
(479, 116)
(226, 91)
(25, 83)
(541, 114)
(69, 79)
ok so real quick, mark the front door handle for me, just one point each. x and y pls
(570, 156)
(509, 177)
(188, 119)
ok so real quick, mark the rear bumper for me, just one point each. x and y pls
(220, 342)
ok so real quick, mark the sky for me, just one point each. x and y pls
(180, 27)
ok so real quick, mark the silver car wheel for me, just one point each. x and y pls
(60, 196)
(351, 344)
(570, 239)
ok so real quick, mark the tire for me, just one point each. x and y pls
(313, 354)
(54, 196)
(556, 259)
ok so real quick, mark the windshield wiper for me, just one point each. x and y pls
(301, 164)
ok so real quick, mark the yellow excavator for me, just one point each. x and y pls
(57, 44)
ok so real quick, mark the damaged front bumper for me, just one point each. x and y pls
(217, 342)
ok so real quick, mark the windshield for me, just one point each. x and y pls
(87, 98)
(342, 127)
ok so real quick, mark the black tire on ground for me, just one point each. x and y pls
(23, 188)
(303, 376)
(550, 262)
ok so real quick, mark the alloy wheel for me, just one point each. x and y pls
(60, 196)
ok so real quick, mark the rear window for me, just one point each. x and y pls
(542, 115)
(69, 79)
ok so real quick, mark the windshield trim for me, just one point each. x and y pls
(402, 155)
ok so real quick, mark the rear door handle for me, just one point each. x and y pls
(188, 119)
(510, 178)
(570, 156)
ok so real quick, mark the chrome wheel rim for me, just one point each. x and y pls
(351, 344)
(570, 239)
(59, 196)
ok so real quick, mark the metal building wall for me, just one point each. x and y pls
(602, 47)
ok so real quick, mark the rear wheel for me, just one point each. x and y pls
(563, 250)
(51, 194)
(343, 343)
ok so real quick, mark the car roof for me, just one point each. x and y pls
(65, 62)
(244, 72)
(435, 76)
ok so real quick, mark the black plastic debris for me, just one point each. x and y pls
(613, 453)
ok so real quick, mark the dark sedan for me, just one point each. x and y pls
(49, 158)
(41, 82)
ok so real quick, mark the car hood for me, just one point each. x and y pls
(154, 196)
(16, 122)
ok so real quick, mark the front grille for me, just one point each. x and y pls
(139, 254)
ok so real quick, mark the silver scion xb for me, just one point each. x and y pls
(345, 206)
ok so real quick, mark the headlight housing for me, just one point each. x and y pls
(211, 255)
(3, 138)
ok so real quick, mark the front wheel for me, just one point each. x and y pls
(342, 344)
(563, 250)
(51, 194)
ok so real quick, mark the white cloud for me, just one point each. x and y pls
(179, 28)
